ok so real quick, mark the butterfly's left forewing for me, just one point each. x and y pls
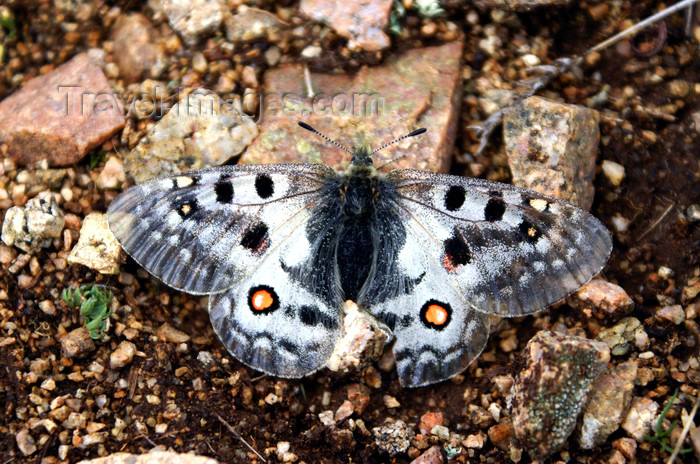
(511, 251)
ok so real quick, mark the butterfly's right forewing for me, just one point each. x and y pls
(203, 231)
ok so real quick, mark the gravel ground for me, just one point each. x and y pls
(159, 377)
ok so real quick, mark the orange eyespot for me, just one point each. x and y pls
(262, 300)
(436, 314)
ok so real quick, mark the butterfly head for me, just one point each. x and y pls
(362, 156)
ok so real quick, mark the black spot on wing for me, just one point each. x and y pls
(454, 198)
(264, 186)
(457, 252)
(312, 316)
(224, 191)
(495, 208)
(529, 232)
(255, 239)
(186, 208)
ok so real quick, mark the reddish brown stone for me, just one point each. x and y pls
(420, 88)
(430, 420)
(47, 119)
(604, 299)
(344, 411)
(363, 21)
(358, 395)
(501, 434)
(432, 456)
(136, 50)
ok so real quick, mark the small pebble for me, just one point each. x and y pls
(199, 63)
(25, 442)
(391, 402)
(639, 418)
(48, 307)
(693, 213)
(430, 420)
(122, 356)
(613, 171)
(311, 52)
(168, 333)
(393, 437)
(327, 418)
(77, 343)
(674, 314)
(344, 411)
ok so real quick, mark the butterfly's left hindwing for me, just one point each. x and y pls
(271, 322)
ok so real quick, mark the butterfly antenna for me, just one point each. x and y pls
(393, 160)
(309, 128)
(412, 134)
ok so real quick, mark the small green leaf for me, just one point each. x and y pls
(397, 14)
(660, 435)
(7, 22)
(95, 306)
(429, 8)
(88, 306)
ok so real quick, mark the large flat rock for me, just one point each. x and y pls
(420, 88)
(61, 115)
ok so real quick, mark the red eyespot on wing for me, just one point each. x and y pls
(436, 314)
(263, 299)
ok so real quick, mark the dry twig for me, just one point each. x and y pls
(238, 435)
(560, 66)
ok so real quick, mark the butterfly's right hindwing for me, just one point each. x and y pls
(203, 231)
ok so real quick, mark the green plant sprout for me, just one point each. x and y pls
(95, 158)
(94, 303)
(429, 8)
(452, 451)
(661, 435)
(397, 14)
(426, 8)
(7, 23)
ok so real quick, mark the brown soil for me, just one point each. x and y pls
(661, 159)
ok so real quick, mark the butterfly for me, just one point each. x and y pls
(429, 256)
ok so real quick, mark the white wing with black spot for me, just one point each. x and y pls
(511, 251)
(475, 248)
(231, 232)
(272, 323)
(203, 231)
